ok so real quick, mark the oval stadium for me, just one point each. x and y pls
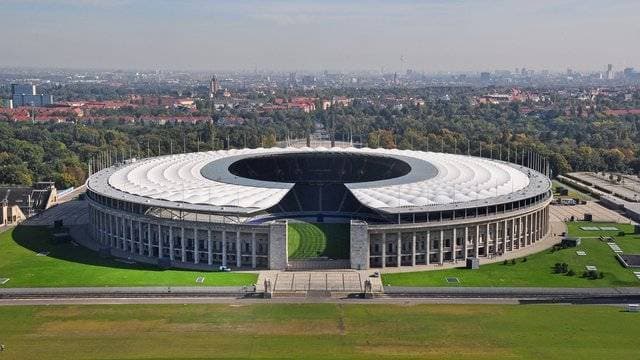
(288, 208)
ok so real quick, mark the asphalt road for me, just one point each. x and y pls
(240, 295)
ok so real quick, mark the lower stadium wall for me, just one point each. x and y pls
(182, 243)
(208, 245)
(400, 245)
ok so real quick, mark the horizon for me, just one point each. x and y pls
(279, 36)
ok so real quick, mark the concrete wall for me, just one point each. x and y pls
(359, 248)
(278, 242)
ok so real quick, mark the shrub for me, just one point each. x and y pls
(513, 261)
(571, 272)
(561, 268)
(524, 259)
(593, 274)
(557, 268)
(620, 233)
(506, 262)
(601, 275)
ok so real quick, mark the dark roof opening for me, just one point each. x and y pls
(320, 168)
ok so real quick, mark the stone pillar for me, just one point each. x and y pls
(253, 250)
(238, 250)
(133, 249)
(359, 245)
(399, 250)
(441, 247)
(526, 230)
(160, 250)
(520, 237)
(278, 239)
(104, 229)
(209, 248)
(513, 234)
(171, 250)
(224, 248)
(196, 247)
(101, 225)
(149, 247)
(124, 233)
(504, 236)
(534, 226)
(454, 238)
(477, 244)
(466, 241)
(141, 242)
(427, 255)
(111, 241)
(183, 246)
(487, 239)
(114, 231)
(538, 225)
(413, 249)
(384, 250)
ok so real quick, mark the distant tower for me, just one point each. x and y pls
(214, 87)
(609, 72)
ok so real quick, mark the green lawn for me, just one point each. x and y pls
(574, 229)
(629, 243)
(319, 331)
(538, 269)
(307, 240)
(69, 265)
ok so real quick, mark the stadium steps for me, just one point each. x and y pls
(295, 196)
(344, 198)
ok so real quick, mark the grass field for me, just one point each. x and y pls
(307, 240)
(69, 265)
(574, 229)
(318, 331)
(538, 269)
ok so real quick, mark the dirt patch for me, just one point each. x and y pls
(463, 310)
(439, 351)
(101, 327)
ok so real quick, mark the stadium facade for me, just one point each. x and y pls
(231, 207)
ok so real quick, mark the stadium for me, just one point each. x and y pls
(247, 208)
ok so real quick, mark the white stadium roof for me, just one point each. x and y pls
(458, 179)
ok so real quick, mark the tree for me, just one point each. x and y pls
(16, 175)
(270, 140)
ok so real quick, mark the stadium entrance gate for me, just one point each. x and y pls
(318, 264)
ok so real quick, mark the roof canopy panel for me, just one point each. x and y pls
(434, 179)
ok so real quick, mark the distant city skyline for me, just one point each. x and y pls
(426, 36)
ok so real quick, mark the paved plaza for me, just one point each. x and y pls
(599, 212)
(628, 188)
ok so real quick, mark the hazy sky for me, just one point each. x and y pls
(432, 35)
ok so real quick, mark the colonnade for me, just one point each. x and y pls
(424, 245)
(178, 242)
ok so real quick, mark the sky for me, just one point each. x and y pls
(219, 35)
